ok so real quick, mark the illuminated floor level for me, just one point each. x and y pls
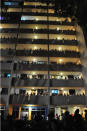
(30, 111)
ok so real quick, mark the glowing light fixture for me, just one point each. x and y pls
(35, 37)
(60, 48)
(57, 28)
(34, 73)
(60, 60)
(36, 27)
(61, 73)
(35, 47)
(34, 60)
(57, 19)
(0, 27)
(58, 38)
(37, 19)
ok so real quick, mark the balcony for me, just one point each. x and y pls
(45, 22)
(5, 82)
(44, 100)
(38, 6)
(41, 53)
(6, 66)
(16, 19)
(38, 41)
(37, 13)
(30, 82)
(42, 31)
(22, 99)
(68, 100)
(44, 83)
(40, 67)
(66, 83)
(3, 99)
(52, 67)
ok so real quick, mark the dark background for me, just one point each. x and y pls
(75, 8)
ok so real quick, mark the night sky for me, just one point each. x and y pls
(76, 8)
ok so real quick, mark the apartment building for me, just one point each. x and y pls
(41, 61)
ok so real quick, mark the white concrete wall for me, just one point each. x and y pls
(83, 51)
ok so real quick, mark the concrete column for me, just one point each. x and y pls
(29, 113)
(19, 113)
(10, 110)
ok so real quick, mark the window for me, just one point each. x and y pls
(40, 62)
(1, 18)
(10, 3)
(54, 91)
(8, 75)
(27, 18)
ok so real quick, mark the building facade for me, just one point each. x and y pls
(41, 63)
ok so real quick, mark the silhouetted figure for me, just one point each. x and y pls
(78, 121)
(52, 122)
(85, 114)
(77, 116)
(57, 117)
(67, 121)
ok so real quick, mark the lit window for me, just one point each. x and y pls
(23, 18)
(10, 3)
(40, 62)
(75, 38)
(54, 91)
(1, 18)
(8, 75)
(69, 19)
(27, 18)
(77, 50)
(30, 76)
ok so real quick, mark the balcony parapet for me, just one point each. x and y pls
(41, 31)
(41, 53)
(3, 99)
(38, 41)
(44, 100)
(6, 66)
(52, 67)
(44, 83)
(5, 82)
(16, 20)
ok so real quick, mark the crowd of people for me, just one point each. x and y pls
(40, 52)
(38, 41)
(66, 32)
(68, 122)
(45, 77)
